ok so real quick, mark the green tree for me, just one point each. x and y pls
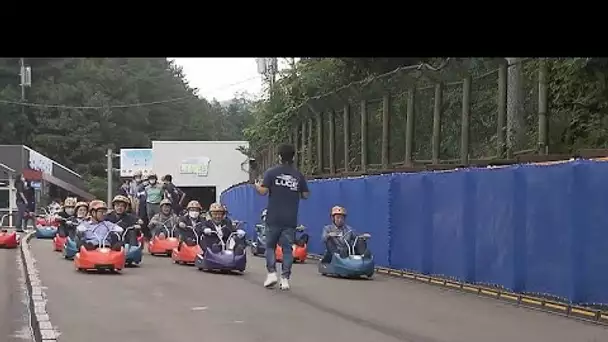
(578, 101)
(92, 104)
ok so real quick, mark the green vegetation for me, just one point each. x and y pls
(127, 102)
(577, 105)
(98, 109)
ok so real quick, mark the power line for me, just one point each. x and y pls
(232, 84)
(142, 104)
(131, 105)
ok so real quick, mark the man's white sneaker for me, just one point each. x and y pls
(271, 280)
(284, 284)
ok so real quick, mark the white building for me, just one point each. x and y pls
(203, 169)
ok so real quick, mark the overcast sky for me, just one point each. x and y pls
(221, 78)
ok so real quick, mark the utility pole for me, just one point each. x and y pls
(22, 73)
(268, 67)
(110, 172)
(26, 81)
(110, 168)
(272, 79)
(26, 77)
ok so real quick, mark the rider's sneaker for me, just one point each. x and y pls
(271, 280)
(284, 284)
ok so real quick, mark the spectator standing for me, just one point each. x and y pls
(154, 195)
(173, 193)
(21, 202)
(30, 195)
(125, 188)
(134, 189)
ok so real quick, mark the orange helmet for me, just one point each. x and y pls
(69, 202)
(82, 204)
(215, 207)
(97, 204)
(194, 205)
(121, 198)
(338, 210)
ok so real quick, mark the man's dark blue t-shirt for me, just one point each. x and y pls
(285, 184)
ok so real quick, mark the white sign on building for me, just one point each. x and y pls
(198, 166)
(135, 159)
(40, 163)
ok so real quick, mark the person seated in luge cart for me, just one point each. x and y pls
(67, 212)
(192, 220)
(223, 228)
(80, 215)
(335, 235)
(165, 218)
(122, 217)
(98, 228)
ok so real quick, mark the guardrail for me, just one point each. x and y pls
(2, 218)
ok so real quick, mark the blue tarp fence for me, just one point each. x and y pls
(529, 228)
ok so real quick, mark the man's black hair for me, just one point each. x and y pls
(167, 178)
(287, 152)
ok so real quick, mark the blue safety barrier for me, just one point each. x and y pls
(528, 228)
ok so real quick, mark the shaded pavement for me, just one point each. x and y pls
(14, 319)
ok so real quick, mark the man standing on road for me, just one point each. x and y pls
(285, 185)
(22, 202)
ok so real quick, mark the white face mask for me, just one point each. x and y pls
(69, 211)
(153, 182)
(194, 214)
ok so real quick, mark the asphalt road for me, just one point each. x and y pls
(164, 302)
(14, 319)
